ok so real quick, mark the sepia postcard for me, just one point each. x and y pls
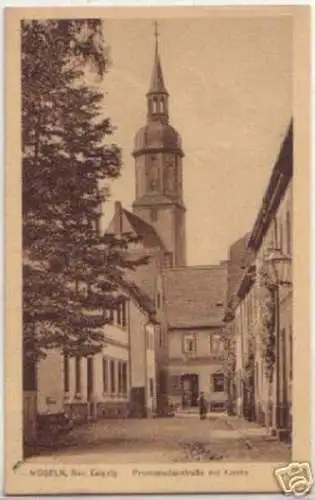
(157, 331)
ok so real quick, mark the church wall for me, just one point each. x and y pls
(140, 176)
(169, 223)
(180, 237)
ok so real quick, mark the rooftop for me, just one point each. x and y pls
(195, 296)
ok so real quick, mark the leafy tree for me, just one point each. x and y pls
(69, 268)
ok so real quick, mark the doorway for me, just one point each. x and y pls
(190, 390)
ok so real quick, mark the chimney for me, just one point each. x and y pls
(118, 218)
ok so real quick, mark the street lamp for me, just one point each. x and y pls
(279, 272)
(279, 267)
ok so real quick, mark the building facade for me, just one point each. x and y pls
(118, 382)
(195, 301)
(261, 316)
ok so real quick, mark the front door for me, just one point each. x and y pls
(190, 390)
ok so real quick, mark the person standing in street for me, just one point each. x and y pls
(202, 406)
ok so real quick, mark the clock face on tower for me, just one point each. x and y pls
(170, 174)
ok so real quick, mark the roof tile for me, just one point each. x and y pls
(195, 296)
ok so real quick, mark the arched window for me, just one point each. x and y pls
(162, 105)
(154, 105)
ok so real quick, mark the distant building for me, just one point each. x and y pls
(195, 301)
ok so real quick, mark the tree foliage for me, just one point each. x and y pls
(69, 268)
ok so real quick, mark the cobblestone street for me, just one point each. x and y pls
(178, 439)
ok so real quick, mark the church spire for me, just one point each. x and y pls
(157, 80)
(157, 95)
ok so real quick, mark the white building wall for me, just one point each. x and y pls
(50, 383)
(138, 320)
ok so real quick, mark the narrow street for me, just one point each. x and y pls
(177, 439)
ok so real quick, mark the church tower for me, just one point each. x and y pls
(158, 158)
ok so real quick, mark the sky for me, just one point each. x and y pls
(230, 86)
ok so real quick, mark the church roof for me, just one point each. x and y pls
(144, 230)
(157, 135)
(124, 221)
(144, 277)
(195, 296)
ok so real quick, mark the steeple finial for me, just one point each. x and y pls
(156, 34)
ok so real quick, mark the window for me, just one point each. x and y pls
(119, 377)
(124, 378)
(105, 375)
(78, 374)
(124, 313)
(151, 387)
(218, 382)
(118, 314)
(66, 374)
(216, 344)
(189, 344)
(90, 380)
(112, 377)
(111, 314)
(160, 337)
(155, 106)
